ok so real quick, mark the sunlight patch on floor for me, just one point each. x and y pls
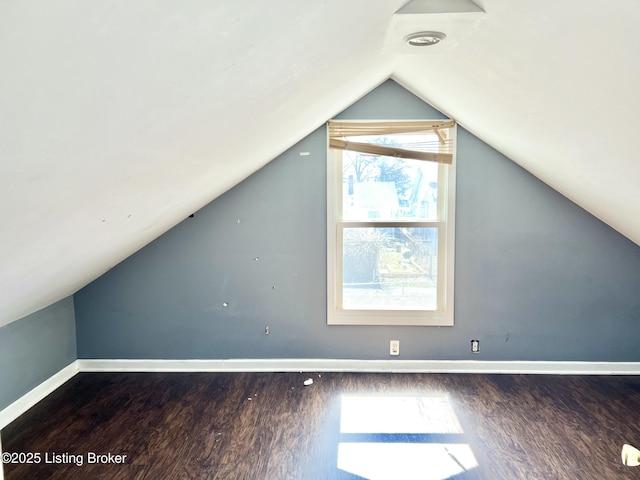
(392, 420)
(398, 414)
(407, 461)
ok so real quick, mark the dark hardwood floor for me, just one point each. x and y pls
(345, 426)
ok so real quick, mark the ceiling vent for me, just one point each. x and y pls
(437, 24)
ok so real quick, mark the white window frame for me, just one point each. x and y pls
(443, 316)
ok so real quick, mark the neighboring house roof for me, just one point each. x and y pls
(373, 196)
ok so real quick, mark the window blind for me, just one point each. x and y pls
(361, 137)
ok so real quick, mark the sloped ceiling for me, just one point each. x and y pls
(119, 119)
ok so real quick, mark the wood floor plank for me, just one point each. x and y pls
(270, 426)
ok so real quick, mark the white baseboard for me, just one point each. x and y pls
(29, 399)
(24, 403)
(382, 366)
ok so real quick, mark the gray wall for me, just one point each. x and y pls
(537, 278)
(34, 348)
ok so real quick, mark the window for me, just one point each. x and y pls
(391, 193)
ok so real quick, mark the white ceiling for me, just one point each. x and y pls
(118, 119)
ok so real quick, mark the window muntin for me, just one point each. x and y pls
(391, 233)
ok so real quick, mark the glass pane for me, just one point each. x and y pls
(390, 268)
(387, 188)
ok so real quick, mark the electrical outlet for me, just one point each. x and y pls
(394, 347)
(475, 346)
